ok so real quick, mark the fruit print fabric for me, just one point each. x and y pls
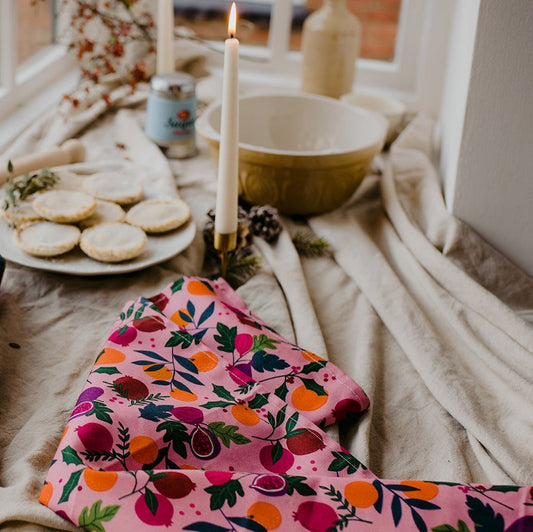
(197, 416)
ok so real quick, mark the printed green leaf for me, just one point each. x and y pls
(263, 361)
(247, 523)
(396, 508)
(186, 363)
(227, 433)
(92, 519)
(176, 433)
(70, 456)
(419, 522)
(225, 493)
(378, 505)
(129, 312)
(152, 354)
(503, 489)
(312, 367)
(216, 404)
(153, 412)
(263, 342)
(178, 338)
(297, 483)
(107, 371)
(422, 505)
(204, 526)
(190, 308)
(180, 386)
(276, 452)
(207, 313)
(151, 500)
(191, 378)
(291, 422)
(177, 285)
(258, 401)
(280, 416)
(139, 312)
(185, 317)
(484, 517)
(122, 330)
(225, 338)
(344, 461)
(282, 391)
(310, 384)
(70, 485)
(223, 393)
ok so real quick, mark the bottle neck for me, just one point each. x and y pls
(335, 4)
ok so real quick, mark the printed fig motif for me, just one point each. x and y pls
(271, 485)
(204, 444)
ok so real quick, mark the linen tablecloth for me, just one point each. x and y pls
(413, 305)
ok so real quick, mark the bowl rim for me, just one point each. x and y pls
(391, 107)
(205, 130)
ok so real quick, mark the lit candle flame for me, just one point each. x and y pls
(232, 25)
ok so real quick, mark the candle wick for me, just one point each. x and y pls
(232, 35)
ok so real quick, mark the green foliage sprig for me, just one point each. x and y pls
(21, 188)
(308, 244)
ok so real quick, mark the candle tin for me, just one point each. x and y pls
(171, 114)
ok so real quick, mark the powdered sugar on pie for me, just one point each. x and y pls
(113, 186)
(113, 242)
(158, 215)
(46, 239)
(106, 212)
(64, 205)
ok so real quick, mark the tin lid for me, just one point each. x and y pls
(177, 84)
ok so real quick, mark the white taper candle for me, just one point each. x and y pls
(228, 162)
(165, 37)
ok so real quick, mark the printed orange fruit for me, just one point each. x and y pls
(181, 395)
(307, 400)
(425, 491)
(266, 514)
(143, 449)
(204, 361)
(311, 356)
(199, 288)
(162, 374)
(181, 318)
(99, 480)
(245, 415)
(108, 355)
(361, 494)
(46, 493)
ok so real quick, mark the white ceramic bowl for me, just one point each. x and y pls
(301, 153)
(391, 108)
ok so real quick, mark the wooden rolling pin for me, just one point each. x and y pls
(71, 151)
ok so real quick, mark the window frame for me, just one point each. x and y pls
(18, 84)
(416, 74)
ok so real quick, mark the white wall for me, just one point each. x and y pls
(487, 124)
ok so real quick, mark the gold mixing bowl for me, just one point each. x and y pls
(301, 153)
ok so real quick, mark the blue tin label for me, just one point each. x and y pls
(170, 120)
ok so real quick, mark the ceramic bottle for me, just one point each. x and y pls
(331, 41)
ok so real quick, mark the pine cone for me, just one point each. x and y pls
(264, 222)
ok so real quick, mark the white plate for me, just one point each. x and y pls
(158, 249)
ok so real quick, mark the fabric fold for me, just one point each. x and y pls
(169, 431)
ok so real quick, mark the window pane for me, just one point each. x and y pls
(379, 19)
(34, 27)
(208, 19)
